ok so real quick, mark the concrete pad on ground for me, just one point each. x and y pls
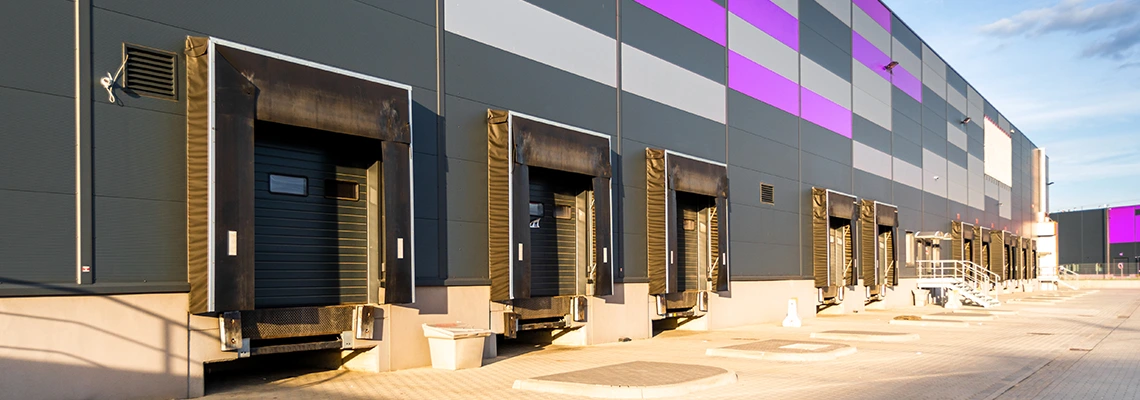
(784, 350)
(632, 380)
(959, 316)
(865, 336)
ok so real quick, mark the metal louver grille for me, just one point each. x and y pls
(767, 194)
(149, 72)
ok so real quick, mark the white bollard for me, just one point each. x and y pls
(793, 318)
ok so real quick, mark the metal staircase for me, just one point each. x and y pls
(1065, 276)
(971, 281)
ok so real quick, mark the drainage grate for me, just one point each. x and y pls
(149, 72)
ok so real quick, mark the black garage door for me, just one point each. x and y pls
(311, 218)
(555, 240)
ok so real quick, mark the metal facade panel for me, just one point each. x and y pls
(825, 83)
(753, 43)
(140, 240)
(760, 154)
(826, 53)
(656, 79)
(871, 134)
(145, 159)
(824, 22)
(871, 109)
(841, 9)
(659, 125)
(38, 144)
(870, 82)
(43, 35)
(761, 119)
(597, 15)
(653, 33)
(30, 245)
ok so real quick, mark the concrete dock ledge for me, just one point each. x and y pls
(959, 316)
(632, 380)
(784, 350)
(866, 336)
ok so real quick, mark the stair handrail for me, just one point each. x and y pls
(971, 273)
(1065, 275)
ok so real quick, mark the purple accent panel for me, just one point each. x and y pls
(752, 79)
(770, 18)
(907, 82)
(825, 113)
(1122, 225)
(876, 11)
(870, 55)
(704, 17)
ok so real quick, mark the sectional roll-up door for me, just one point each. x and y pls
(827, 205)
(878, 255)
(230, 86)
(515, 143)
(957, 242)
(977, 245)
(997, 254)
(668, 173)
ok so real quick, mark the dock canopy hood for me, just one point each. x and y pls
(828, 206)
(230, 86)
(878, 254)
(516, 142)
(961, 234)
(667, 173)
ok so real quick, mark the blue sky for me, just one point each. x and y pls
(1065, 72)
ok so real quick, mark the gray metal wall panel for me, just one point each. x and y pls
(763, 259)
(37, 242)
(871, 108)
(143, 159)
(41, 35)
(871, 82)
(910, 219)
(466, 181)
(975, 148)
(934, 141)
(111, 30)
(826, 53)
(906, 150)
(820, 141)
(761, 154)
(905, 104)
(757, 225)
(762, 119)
(426, 186)
(594, 14)
(655, 34)
(659, 125)
(906, 196)
(871, 134)
(934, 62)
(425, 121)
(140, 240)
(935, 205)
(933, 104)
(746, 190)
(429, 270)
(906, 127)
(841, 9)
(955, 82)
(825, 173)
(866, 27)
(933, 81)
(465, 137)
(466, 250)
(957, 156)
(352, 25)
(508, 81)
(823, 82)
(905, 36)
(37, 143)
(873, 187)
(819, 19)
(422, 11)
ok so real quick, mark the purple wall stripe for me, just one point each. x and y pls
(904, 80)
(825, 113)
(704, 17)
(770, 18)
(876, 11)
(1122, 225)
(752, 79)
(869, 55)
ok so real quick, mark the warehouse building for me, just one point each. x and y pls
(1100, 241)
(187, 184)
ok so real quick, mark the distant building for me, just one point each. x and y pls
(1101, 240)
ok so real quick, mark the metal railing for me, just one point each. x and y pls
(971, 273)
(1067, 277)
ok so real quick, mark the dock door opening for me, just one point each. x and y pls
(962, 241)
(299, 198)
(549, 236)
(687, 231)
(833, 247)
(878, 226)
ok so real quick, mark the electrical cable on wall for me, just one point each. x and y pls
(109, 82)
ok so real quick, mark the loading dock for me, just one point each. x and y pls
(549, 222)
(833, 247)
(299, 190)
(878, 229)
(687, 232)
(962, 242)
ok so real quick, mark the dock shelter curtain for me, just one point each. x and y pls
(514, 144)
(667, 173)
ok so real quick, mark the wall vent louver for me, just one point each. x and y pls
(149, 72)
(767, 194)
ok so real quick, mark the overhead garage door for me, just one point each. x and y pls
(311, 221)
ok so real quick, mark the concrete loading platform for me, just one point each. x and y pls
(865, 336)
(784, 350)
(632, 380)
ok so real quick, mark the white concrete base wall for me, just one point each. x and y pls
(625, 314)
(95, 347)
(749, 303)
